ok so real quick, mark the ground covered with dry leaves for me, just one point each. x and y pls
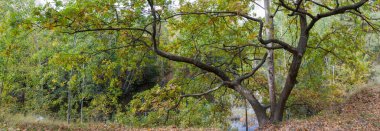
(361, 111)
(35, 126)
(94, 127)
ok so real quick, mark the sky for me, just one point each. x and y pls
(260, 12)
(41, 2)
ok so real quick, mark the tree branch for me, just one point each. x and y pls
(338, 10)
(247, 75)
(177, 58)
(204, 93)
(319, 4)
(110, 29)
(257, 4)
(297, 7)
(373, 26)
(285, 45)
(283, 4)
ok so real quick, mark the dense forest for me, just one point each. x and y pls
(183, 63)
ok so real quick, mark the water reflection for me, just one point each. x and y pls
(238, 121)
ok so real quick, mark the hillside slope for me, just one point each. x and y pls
(361, 111)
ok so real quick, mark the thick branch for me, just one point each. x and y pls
(285, 45)
(177, 58)
(297, 7)
(366, 19)
(342, 9)
(283, 4)
(338, 10)
(194, 62)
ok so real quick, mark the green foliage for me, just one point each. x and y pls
(48, 52)
(156, 107)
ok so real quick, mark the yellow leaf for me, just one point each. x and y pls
(252, 36)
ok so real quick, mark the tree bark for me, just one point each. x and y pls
(260, 112)
(246, 115)
(271, 73)
(291, 79)
(68, 106)
(1, 90)
(81, 100)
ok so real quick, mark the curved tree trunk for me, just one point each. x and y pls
(291, 79)
(260, 111)
(277, 109)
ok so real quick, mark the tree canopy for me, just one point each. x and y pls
(183, 62)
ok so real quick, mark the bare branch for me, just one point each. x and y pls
(247, 75)
(337, 3)
(327, 51)
(257, 4)
(297, 7)
(319, 4)
(109, 29)
(366, 19)
(250, 44)
(275, 12)
(285, 5)
(204, 93)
